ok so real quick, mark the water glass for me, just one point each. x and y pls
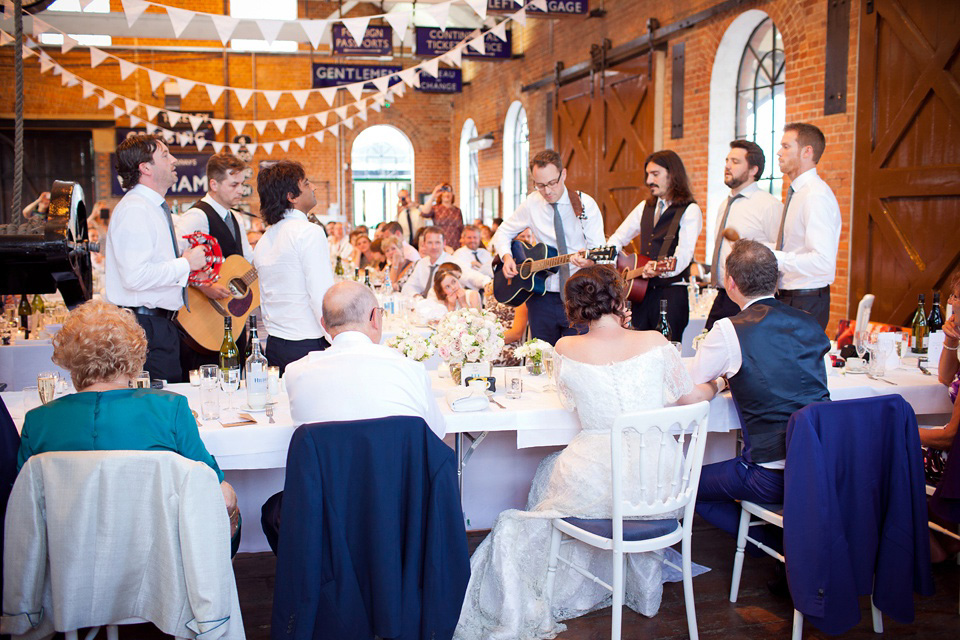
(142, 381)
(209, 375)
(513, 377)
(209, 402)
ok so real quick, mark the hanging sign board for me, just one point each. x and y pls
(432, 42)
(173, 139)
(554, 7)
(334, 75)
(191, 176)
(449, 81)
(377, 41)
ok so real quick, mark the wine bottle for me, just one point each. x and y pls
(366, 278)
(256, 371)
(663, 326)
(919, 324)
(338, 270)
(229, 355)
(24, 311)
(356, 274)
(935, 319)
(37, 304)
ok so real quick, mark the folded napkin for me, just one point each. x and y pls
(463, 399)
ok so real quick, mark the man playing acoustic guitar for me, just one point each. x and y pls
(668, 224)
(553, 212)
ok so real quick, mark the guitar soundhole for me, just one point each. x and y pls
(525, 270)
(238, 288)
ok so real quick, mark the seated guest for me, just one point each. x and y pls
(399, 267)
(324, 386)
(514, 321)
(339, 243)
(486, 234)
(772, 356)
(446, 286)
(393, 229)
(103, 348)
(360, 257)
(421, 280)
(377, 258)
(949, 365)
(604, 373)
(471, 255)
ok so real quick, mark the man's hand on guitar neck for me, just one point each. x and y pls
(650, 270)
(580, 260)
(215, 291)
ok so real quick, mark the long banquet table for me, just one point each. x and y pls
(517, 438)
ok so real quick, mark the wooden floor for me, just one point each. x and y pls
(756, 615)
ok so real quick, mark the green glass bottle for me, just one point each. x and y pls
(24, 310)
(919, 325)
(37, 304)
(229, 355)
(338, 270)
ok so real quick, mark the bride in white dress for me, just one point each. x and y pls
(608, 371)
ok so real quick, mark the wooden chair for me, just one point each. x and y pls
(621, 535)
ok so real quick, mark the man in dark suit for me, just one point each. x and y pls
(772, 356)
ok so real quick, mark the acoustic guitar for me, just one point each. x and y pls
(534, 264)
(630, 266)
(203, 323)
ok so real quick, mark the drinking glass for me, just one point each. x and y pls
(142, 381)
(209, 401)
(548, 366)
(47, 386)
(229, 383)
(513, 377)
(31, 399)
(860, 339)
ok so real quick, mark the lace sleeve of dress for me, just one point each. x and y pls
(566, 398)
(676, 379)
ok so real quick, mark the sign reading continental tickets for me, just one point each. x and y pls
(554, 7)
(334, 75)
(377, 41)
(432, 42)
(449, 81)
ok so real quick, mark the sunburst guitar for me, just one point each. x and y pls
(203, 323)
(630, 266)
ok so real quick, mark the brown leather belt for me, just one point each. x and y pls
(147, 311)
(805, 292)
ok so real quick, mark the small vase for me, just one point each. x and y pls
(535, 367)
(455, 370)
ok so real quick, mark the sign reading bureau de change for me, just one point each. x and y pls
(432, 42)
(554, 7)
(334, 75)
(449, 81)
(377, 41)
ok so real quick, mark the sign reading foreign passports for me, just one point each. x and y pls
(432, 42)
(555, 7)
(377, 41)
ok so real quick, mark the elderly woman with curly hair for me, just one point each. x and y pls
(104, 348)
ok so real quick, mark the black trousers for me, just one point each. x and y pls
(723, 307)
(548, 319)
(163, 347)
(816, 304)
(646, 314)
(282, 352)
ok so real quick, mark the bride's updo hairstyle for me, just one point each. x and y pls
(594, 292)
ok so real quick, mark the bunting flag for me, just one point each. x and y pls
(329, 94)
(273, 97)
(440, 13)
(87, 89)
(322, 117)
(334, 130)
(129, 105)
(432, 67)
(156, 78)
(217, 146)
(362, 114)
(540, 4)
(68, 43)
(268, 147)
(500, 31)
(480, 7)
(126, 68)
(214, 91)
(282, 124)
(260, 125)
(357, 27)
(302, 122)
(400, 20)
(243, 96)
(200, 141)
(217, 124)
(252, 148)
(96, 57)
(179, 19)
(133, 9)
(521, 16)
(355, 89)
(5, 38)
(382, 83)
(341, 112)
(185, 86)
(479, 45)
(152, 111)
(314, 30)
(301, 97)
(318, 136)
(225, 26)
(195, 121)
(270, 29)
(285, 145)
(454, 56)
(301, 142)
(134, 120)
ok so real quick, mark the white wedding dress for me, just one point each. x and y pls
(505, 598)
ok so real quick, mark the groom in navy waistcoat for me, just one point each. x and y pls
(772, 356)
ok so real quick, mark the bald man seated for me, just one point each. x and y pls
(358, 378)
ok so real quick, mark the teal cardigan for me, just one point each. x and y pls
(123, 419)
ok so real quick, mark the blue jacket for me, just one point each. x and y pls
(855, 511)
(372, 539)
(9, 445)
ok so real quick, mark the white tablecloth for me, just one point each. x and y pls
(21, 362)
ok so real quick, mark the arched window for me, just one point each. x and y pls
(516, 157)
(469, 196)
(761, 104)
(382, 164)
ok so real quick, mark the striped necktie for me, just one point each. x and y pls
(715, 265)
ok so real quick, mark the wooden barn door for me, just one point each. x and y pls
(906, 217)
(604, 131)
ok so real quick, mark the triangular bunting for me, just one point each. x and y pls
(156, 78)
(334, 130)
(68, 43)
(480, 7)
(341, 112)
(195, 121)
(87, 88)
(268, 147)
(200, 141)
(301, 96)
(521, 16)
(217, 124)
(282, 124)
(478, 45)
(129, 105)
(376, 107)
(133, 9)
(540, 4)
(302, 122)
(348, 123)
(273, 97)
(239, 125)
(314, 30)
(234, 147)
(179, 19)
(118, 112)
(355, 89)
(109, 96)
(500, 31)
(225, 26)
(243, 96)
(134, 120)
(126, 68)
(301, 142)
(357, 27)
(39, 26)
(362, 114)
(285, 145)
(214, 91)
(5, 38)
(322, 117)
(432, 67)
(102, 102)
(329, 94)
(152, 111)
(318, 136)
(96, 56)
(185, 86)
(150, 127)
(454, 56)
(408, 75)
(399, 89)
(217, 146)
(400, 20)
(382, 83)
(440, 13)
(260, 125)
(46, 63)
(252, 148)
(270, 29)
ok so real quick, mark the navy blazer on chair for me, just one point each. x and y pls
(372, 539)
(855, 511)
(9, 446)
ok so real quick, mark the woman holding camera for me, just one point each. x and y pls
(445, 214)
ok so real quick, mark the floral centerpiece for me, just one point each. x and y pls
(533, 350)
(412, 345)
(468, 335)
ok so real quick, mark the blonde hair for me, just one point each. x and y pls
(100, 342)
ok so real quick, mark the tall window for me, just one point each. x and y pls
(90, 40)
(761, 105)
(257, 9)
(469, 197)
(382, 164)
(516, 156)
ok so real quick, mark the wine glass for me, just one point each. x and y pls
(47, 386)
(860, 339)
(549, 360)
(229, 384)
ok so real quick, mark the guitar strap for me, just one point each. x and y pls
(671, 230)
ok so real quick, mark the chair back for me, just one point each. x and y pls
(671, 430)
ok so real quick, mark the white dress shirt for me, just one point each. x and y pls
(811, 235)
(420, 278)
(354, 379)
(341, 247)
(196, 220)
(141, 268)
(465, 257)
(537, 213)
(755, 216)
(416, 218)
(293, 265)
(690, 224)
(410, 252)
